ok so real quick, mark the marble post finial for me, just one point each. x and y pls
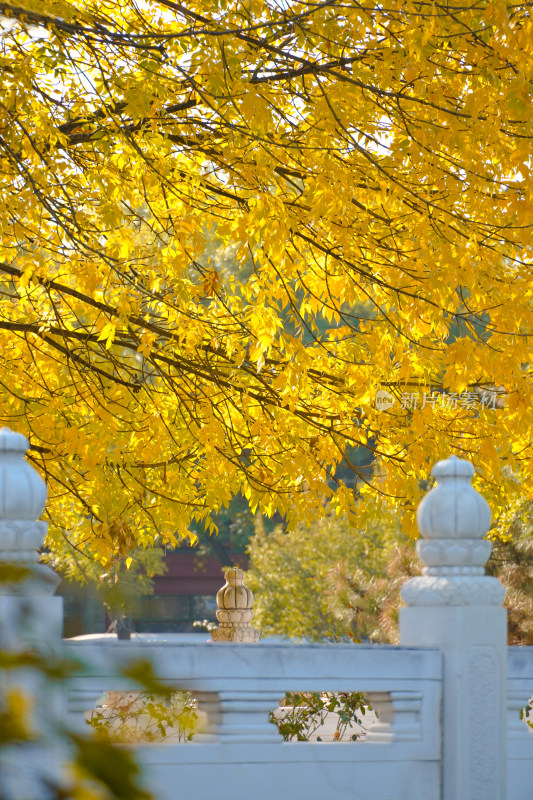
(235, 601)
(22, 501)
(453, 519)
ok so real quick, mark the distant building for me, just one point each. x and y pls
(184, 594)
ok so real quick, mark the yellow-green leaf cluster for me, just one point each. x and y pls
(226, 226)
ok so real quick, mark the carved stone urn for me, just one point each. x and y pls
(234, 614)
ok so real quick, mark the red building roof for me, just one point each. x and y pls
(193, 573)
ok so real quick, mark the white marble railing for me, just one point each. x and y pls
(449, 697)
(237, 685)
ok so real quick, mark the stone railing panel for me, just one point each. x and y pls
(237, 685)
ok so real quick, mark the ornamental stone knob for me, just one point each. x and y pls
(23, 491)
(235, 601)
(22, 501)
(453, 519)
(453, 508)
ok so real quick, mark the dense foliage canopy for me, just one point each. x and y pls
(228, 224)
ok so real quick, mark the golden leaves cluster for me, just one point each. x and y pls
(226, 226)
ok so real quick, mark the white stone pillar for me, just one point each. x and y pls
(456, 607)
(31, 620)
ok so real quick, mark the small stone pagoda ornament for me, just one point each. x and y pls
(234, 612)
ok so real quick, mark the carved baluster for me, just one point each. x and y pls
(209, 716)
(235, 716)
(245, 716)
(399, 717)
(81, 702)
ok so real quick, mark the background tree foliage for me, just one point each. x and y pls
(121, 588)
(512, 563)
(329, 581)
(227, 224)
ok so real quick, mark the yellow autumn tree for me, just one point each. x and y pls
(363, 172)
